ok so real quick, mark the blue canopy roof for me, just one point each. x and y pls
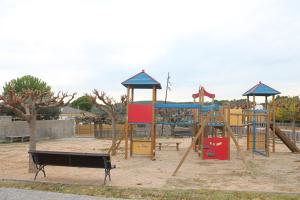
(261, 90)
(142, 81)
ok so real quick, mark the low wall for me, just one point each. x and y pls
(45, 128)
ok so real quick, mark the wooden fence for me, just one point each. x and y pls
(97, 130)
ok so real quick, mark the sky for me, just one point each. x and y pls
(225, 46)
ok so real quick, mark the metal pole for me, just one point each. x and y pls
(166, 96)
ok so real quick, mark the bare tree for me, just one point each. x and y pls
(112, 108)
(25, 106)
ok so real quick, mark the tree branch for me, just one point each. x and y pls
(56, 101)
(17, 111)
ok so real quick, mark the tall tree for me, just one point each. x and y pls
(113, 109)
(24, 96)
(83, 103)
(289, 107)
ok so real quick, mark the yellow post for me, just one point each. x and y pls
(201, 117)
(131, 126)
(153, 125)
(267, 137)
(126, 125)
(273, 132)
(248, 126)
(227, 133)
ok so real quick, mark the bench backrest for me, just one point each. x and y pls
(71, 159)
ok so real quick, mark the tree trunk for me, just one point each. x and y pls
(294, 129)
(113, 135)
(32, 143)
(95, 130)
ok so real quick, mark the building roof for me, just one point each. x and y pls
(142, 81)
(67, 110)
(261, 90)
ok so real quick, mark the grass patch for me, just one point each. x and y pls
(145, 193)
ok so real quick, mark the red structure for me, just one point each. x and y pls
(205, 93)
(140, 113)
(215, 148)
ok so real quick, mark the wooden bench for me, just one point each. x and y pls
(13, 138)
(167, 144)
(71, 159)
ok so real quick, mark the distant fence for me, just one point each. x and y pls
(45, 128)
(288, 124)
(242, 132)
(97, 130)
(105, 130)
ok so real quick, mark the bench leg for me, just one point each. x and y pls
(40, 168)
(177, 146)
(43, 170)
(36, 175)
(107, 173)
(159, 146)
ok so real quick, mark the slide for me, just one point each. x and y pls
(285, 139)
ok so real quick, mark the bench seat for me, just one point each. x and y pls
(71, 159)
(168, 144)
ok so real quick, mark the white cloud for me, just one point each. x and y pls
(72, 43)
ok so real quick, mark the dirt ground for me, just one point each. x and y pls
(278, 173)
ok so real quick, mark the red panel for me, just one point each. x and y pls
(139, 113)
(215, 148)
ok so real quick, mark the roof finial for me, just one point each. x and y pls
(259, 82)
(143, 70)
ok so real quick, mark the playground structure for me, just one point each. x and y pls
(140, 114)
(213, 125)
(259, 123)
(258, 120)
(214, 143)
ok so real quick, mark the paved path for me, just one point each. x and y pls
(18, 194)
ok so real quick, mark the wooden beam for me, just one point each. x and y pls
(116, 146)
(234, 140)
(130, 127)
(132, 95)
(268, 135)
(153, 125)
(199, 133)
(126, 124)
(267, 121)
(273, 132)
(248, 126)
(228, 115)
(227, 135)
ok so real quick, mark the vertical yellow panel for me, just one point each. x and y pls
(236, 118)
(141, 147)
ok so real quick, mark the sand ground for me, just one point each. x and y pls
(278, 173)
